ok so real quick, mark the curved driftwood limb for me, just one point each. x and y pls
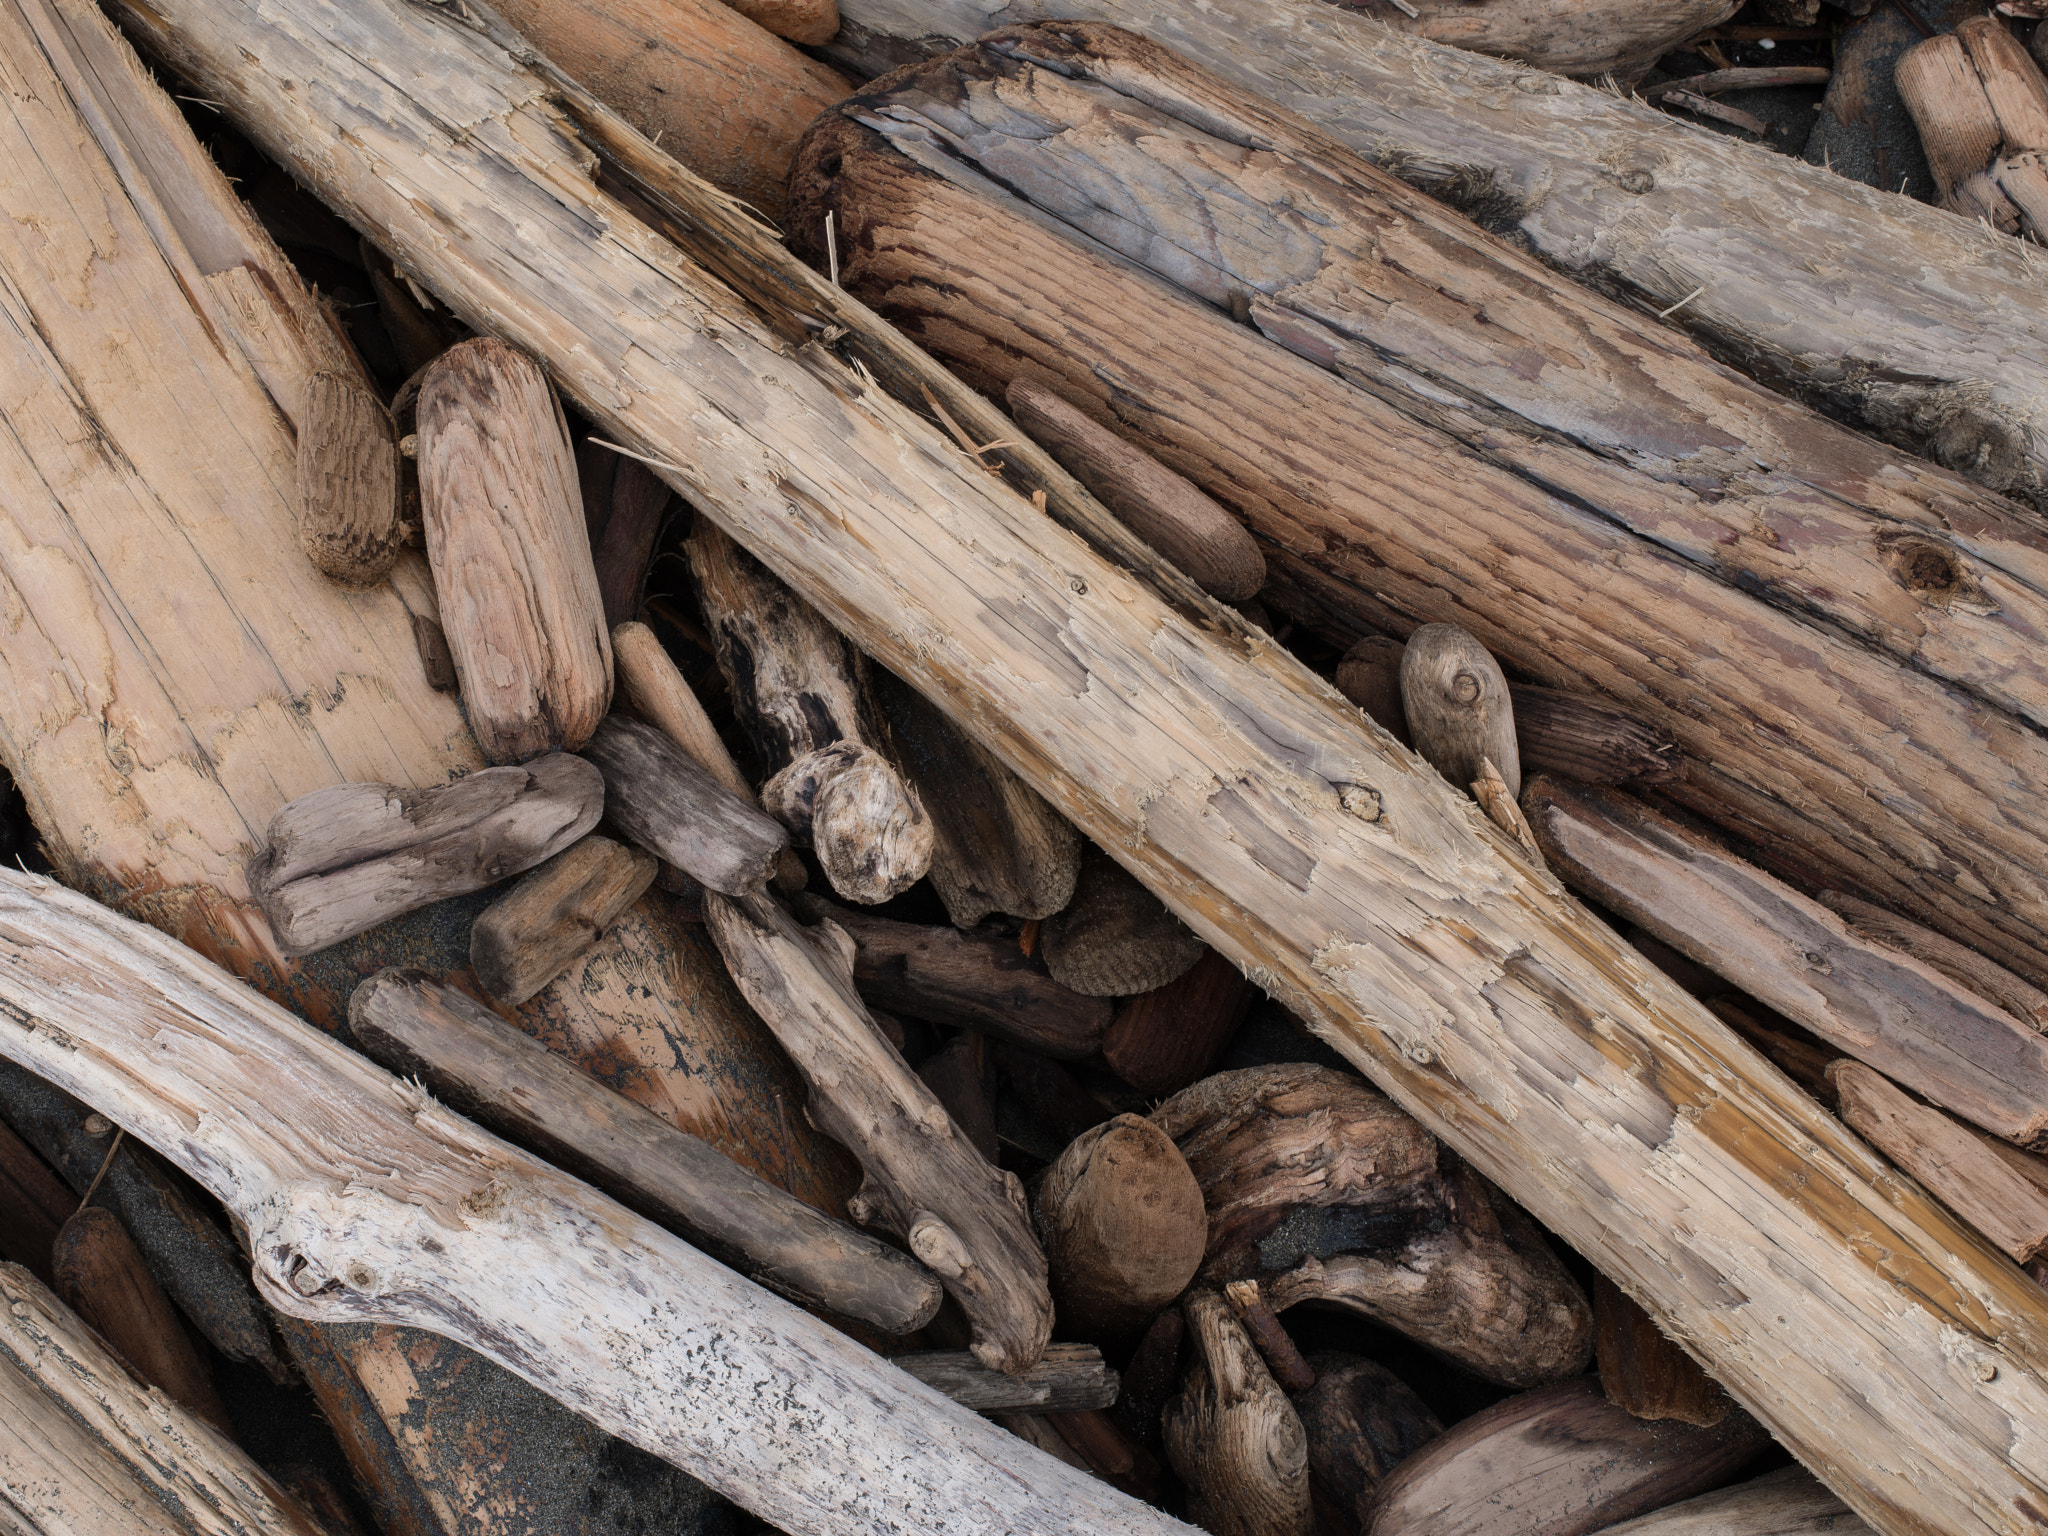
(1360, 892)
(1362, 1421)
(1233, 1436)
(84, 1448)
(1720, 237)
(1559, 1461)
(481, 1066)
(367, 1201)
(964, 1219)
(1328, 1192)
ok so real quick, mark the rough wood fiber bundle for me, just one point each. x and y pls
(1364, 893)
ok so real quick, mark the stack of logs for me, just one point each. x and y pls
(1101, 1169)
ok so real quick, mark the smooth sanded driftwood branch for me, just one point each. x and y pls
(85, 1448)
(1401, 469)
(1361, 891)
(491, 1072)
(365, 1200)
(1740, 246)
(1878, 1003)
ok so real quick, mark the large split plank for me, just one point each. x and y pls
(1347, 878)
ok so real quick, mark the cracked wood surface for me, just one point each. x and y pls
(365, 1201)
(1899, 1355)
(1917, 325)
(1872, 772)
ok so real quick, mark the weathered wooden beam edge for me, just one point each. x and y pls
(366, 1201)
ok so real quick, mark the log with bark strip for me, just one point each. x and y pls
(1465, 464)
(1358, 889)
(1738, 245)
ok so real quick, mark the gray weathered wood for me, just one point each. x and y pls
(1233, 1435)
(1982, 110)
(964, 1218)
(659, 797)
(1961, 965)
(1464, 981)
(1067, 1377)
(524, 939)
(481, 1066)
(1455, 701)
(1746, 243)
(1879, 1004)
(519, 598)
(348, 857)
(1791, 1502)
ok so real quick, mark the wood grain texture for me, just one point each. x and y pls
(1423, 935)
(1791, 1502)
(1456, 703)
(1579, 737)
(1121, 1220)
(347, 480)
(639, 505)
(1963, 966)
(1559, 1461)
(657, 795)
(519, 598)
(1114, 938)
(1795, 766)
(810, 22)
(480, 1066)
(963, 1218)
(1609, 37)
(101, 1275)
(704, 81)
(1370, 677)
(1634, 203)
(348, 857)
(1644, 1372)
(86, 1451)
(1233, 1436)
(1878, 1003)
(1957, 1165)
(1362, 1421)
(522, 941)
(1163, 508)
(34, 1205)
(1067, 1377)
(651, 686)
(1981, 106)
(1164, 1039)
(367, 1202)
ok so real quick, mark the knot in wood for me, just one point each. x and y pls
(1359, 801)
(1466, 689)
(938, 1247)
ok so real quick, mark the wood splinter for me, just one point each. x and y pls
(793, 685)
(923, 1181)
(481, 1066)
(348, 857)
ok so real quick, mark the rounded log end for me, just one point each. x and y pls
(870, 832)
(1123, 1225)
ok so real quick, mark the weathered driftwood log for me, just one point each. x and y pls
(721, 94)
(346, 858)
(1558, 1461)
(524, 939)
(1982, 110)
(1164, 1039)
(1370, 1222)
(101, 1275)
(1233, 1436)
(1188, 381)
(1610, 37)
(975, 980)
(347, 480)
(34, 1205)
(639, 502)
(1719, 235)
(1456, 703)
(1879, 1004)
(1370, 677)
(792, 679)
(1120, 1217)
(519, 597)
(996, 845)
(1790, 1049)
(657, 795)
(1161, 507)
(1965, 967)
(1644, 1372)
(652, 687)
(1108, 1452)
(1789, 1502)
(1362, 1421)
(2007, 1203)
(463, 1052)
(365, 1201)
(962, 1217)
(1579, 737)
(1066, 1377)
(86, 1449)
(1114, 938)
(1416, 937)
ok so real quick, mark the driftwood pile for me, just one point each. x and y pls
(763, 860)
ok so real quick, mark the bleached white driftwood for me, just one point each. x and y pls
(364, 1200)
(1354, 885)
